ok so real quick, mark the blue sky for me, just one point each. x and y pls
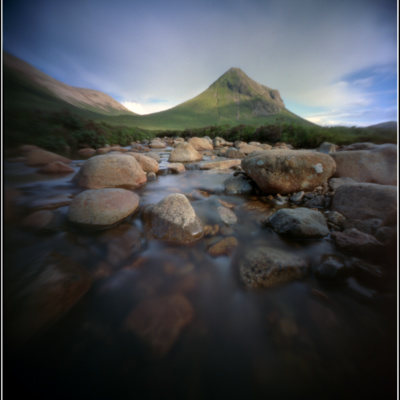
(334, 62)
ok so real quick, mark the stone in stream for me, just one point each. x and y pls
(357, 243)
(200, 143)
(41, 219)
(110, 171)
(87, 152)
(267, 266)
(365, 201)
(159, 321)
(173, 219)
(57, 167)
(376, 165)
(176, 168)
(299, 222)
(102, 207)
(238, 185)
(184, 152)
(157, 143)
(37, 156)
(56, 287)
(287, 171)
(225, 164)
(148, 164)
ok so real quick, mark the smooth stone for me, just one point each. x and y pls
(147, 164)
(299, 222)
(200, 143)
(173, 219)
(36, 156)
(57, 167)
(226, 164)
(87, 152)
(110, 171)
(288, 171)
(184, 152)
(266, 267)
(102, 207)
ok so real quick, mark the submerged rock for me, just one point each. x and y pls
(265, 267)
(238, 185)
(288, 171)
(103, 207)
(173, 219)
(110, 171)
(160, 321)
(57, 167)
(299, 222)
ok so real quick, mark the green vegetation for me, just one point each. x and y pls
(61, 129)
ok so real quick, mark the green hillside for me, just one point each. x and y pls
(233, 99)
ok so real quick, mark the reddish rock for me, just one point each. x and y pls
(57, 167)
(36, 156)
(87, 152)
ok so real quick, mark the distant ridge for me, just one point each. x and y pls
(384, 125)
(90, 99)
(233, 99)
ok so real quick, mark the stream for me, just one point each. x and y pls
(308, 338)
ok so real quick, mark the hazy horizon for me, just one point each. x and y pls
(333, 63)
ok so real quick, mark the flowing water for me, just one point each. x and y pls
(304, 339)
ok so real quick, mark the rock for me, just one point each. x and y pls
(160, 321)
(378, 165)
(157, 144)
(176, 168)
(226, 164)
(57, 167)
(332, 269)
(200, 144)
(57, 201)
(173, 219)
(185, 152)
(369, 226)
(87, 152)
(247, 148)
(147, 164)
(366, 200)
(111, 170)
(154, 155)
(227, 216)
(297, 197)
(334, 183)
(238, 185)
(266, 266)
(41, 219)
(151, 176)
(315, 202)
(336, 218)
(327, 148)
(56, 285)
(102, 207)
(359, 146)
(357, 243)
(288, 171)
(299, 222)
(37, 156)
(225, 246)
(103, 150)
(232, 152)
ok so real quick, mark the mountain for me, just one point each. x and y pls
(384, 125)
(233, 99)
(24, 84)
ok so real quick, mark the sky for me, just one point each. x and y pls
(333, 62)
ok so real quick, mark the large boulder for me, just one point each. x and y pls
(111, 170)
(288, 171)
(365, 201)
(267, 266)
(103, 207)
(173, 219)
(184, 152)
(148, 164)
(378, 164)
(299, 222)
(37, 156)
(200, 143)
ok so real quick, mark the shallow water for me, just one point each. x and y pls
(304, 339)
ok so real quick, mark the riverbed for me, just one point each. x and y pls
(309, 338)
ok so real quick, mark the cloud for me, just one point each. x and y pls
(146, 107)
(310, 50)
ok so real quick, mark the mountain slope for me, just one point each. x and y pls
(232, 99)
(21, 80)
